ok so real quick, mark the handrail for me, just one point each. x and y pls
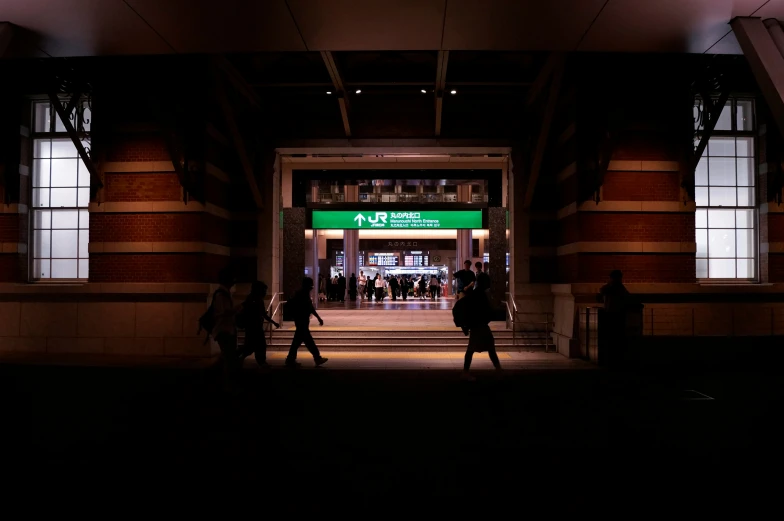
(272, 316)
(272, 300)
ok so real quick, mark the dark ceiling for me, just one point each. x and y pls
(68, 28)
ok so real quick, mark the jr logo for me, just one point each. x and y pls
(382, 216)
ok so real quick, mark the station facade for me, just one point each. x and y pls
(119, 209)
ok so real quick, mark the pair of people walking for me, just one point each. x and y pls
(223, 317)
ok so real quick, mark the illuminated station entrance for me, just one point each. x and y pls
(410, 228)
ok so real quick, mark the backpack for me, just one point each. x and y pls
(207, 320)
(458, 312)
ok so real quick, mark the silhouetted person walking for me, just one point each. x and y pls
(253, 315)
(612, 319)
(404, 285)
(302, 308)
(475, 314)
(433, 287)
(352, 288)
(225, 330)
(341, 287)
(379, 283)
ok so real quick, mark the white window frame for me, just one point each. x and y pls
(43, 274)
(703, 214)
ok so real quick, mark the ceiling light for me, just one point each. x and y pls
(329, 92)
(359, 91)
(453, 92)
(423, 91)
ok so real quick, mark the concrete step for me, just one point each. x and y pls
(410, 348)
(446, 333)
(407, 341)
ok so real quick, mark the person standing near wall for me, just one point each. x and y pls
(393, 287)
(352, 288)
(433, 287)
(612, 320)
(465, 278)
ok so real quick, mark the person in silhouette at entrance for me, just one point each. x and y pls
(253, 315)
(465, 278)
(394, 285)
(341, 288)
(433, 287)
(475, 314)
(379, 283)
(422, 287)
(301, 309)
(362, 282)
(322, 288)
(404, 285)
(480, 274)
(352, 288)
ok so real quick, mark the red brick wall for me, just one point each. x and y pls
(9, 227)
(641, 186)
(138, 148)
(166, 267)
(636, 227)
(9, 267)
(145, 227)
(159, 227)
(568, 230)
(132, 187)
(775, 267)
(775, 227)
(567, 191)
(596, 267)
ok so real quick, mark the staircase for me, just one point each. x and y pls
(445, 340)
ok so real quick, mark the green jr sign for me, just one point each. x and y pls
(446, 219)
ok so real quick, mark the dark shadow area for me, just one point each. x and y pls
(549, 439)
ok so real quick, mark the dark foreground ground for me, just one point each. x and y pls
(528, 441)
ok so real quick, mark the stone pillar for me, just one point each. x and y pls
(293, 250)
(496, 218)
(464, 249)
(314, 192)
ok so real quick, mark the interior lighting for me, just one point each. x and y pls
(423, 91)
(329, 92)
(453, 92)
(359, 91)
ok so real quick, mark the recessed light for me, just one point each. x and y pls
(359, 91)
(453, 92)
(423, 91)
(329, 92)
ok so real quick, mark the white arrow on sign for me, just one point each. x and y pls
(359, 218)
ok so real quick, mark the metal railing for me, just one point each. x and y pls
(274, 313)
(513, 321)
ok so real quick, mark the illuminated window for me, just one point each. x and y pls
(725, 193)
(60, 197)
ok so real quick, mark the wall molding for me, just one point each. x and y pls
(170, 247)
(628, 206)
(10, 208)
(771, 208)
(644, 166)
(170, 207)
(567, 172)
(216, 172)
(772, 247)
(139, 167)
(626, 247)
(13, 247)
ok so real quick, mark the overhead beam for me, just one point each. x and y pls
(443, 61)
(236, 137)
(544, 130)
(340, 90)
(540, 82)
(765, 60)
(236, 79)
